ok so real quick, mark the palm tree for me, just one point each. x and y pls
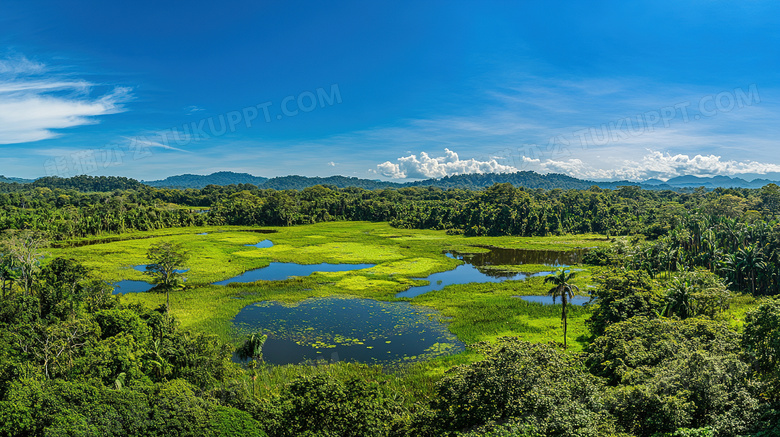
(750, 261)
(562, 287)
(679, 298)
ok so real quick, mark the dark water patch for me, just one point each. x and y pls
(203, 233)
(281, 271)
(265, 244)
(499, 256)
(548, 300)
(142, 268)
(465, 274)
(339, 329)
(128, 286)
(477, 267)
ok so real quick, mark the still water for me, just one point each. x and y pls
(347, 329)
(474, 271)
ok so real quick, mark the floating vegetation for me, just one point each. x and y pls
(281, 271)
(362, 330)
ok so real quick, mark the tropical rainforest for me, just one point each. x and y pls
(681, 336)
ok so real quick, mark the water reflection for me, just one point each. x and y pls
(475, 269)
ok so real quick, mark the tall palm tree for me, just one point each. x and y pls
(562, 287)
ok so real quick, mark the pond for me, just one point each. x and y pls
(548, 300)
(128, 286)
(465, 274)
(277, 271)
(499, 256)
(265, 244)
(474, 271)
(347, 329)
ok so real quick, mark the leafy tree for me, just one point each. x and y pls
(62, 291)
(25, 249)
(321, 406)
(695, 389)
(535, 386)
(628, 350)
(621, 295)
(167, 262)
(562, 288)
(761, 344)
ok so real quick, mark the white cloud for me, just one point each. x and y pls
(33, 103)
(656, 165)
(332, 164)
(450, 164)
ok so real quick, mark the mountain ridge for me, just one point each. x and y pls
(528, 179)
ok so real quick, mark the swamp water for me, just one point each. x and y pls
(477, 267)
(347, 329)
(265, 244)
(129, 286)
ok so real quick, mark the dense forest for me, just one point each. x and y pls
(732, 232)
(661, 360)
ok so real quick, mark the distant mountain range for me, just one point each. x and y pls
(528, 179)
(11, 180)
(200, 181)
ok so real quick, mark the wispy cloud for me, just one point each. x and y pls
(145, 142)
(189, 110)
(35, 102)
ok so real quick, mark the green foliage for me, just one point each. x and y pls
(63, 292)
(166, 259)
(562, 288)
(629, 350)
(532, 384)
(695, 389)
(318, 406)
(622, 295)
(252, 348)
(761, 344)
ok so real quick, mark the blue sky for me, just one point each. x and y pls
(389, 90)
